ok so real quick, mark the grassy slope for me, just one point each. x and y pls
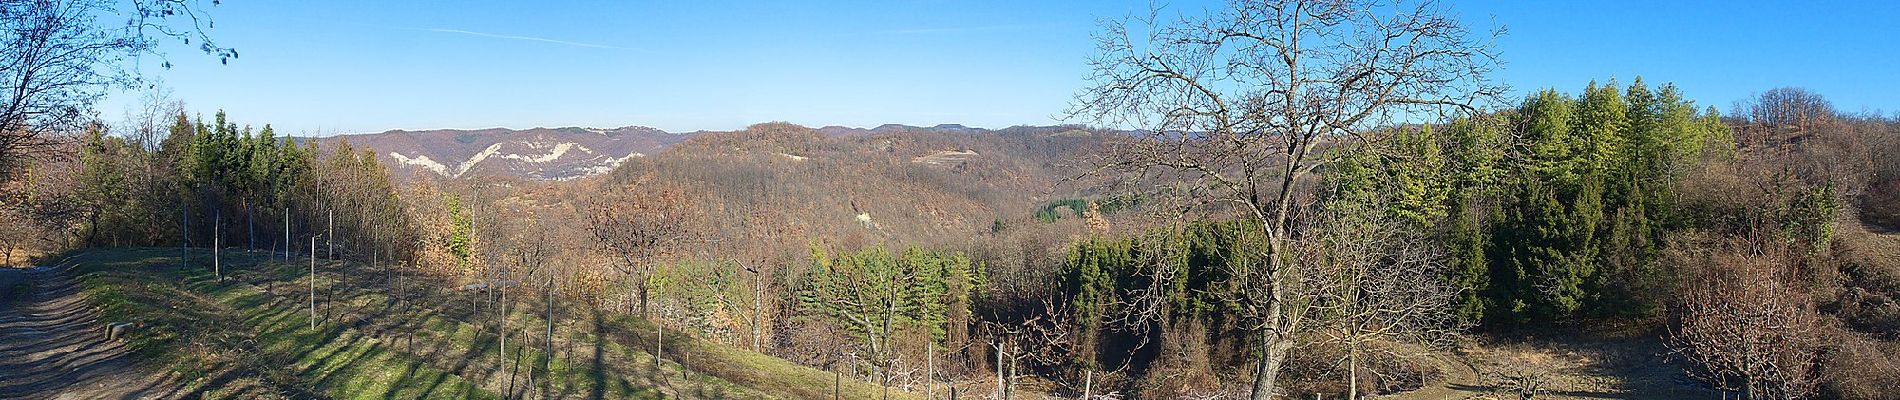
(200, 330)
(410, 338)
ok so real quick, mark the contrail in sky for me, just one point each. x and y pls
(527, 38)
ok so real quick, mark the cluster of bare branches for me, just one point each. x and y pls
(759, 251)
(1374, 280)
(1239, 107)
(58, 59)
(644, 223)
(1746, 319)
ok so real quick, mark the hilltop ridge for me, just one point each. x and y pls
(559, 154)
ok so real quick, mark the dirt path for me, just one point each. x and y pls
(1632, 366)
(52, 346)
(1461, 382)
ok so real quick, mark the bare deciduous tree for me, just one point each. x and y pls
(644, 222)
(760, 247)
(527, 251)
(1373, 280)
(1745, 316)
(14, 230)
(59, 57)
(1237, 108)
(1790, 108)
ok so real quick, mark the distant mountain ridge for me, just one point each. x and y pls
(537, 153)
(547, 154)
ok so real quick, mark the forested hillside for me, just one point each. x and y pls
(1621, 203)
(1280, 199)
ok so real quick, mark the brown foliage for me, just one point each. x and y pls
(1857, 367)
(1868, 300)
(644, 223)
(1880, 205)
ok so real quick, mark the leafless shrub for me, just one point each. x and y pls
(1745, 318)
(1522, 384)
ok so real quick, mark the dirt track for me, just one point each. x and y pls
(53, 346)
(1625, 366)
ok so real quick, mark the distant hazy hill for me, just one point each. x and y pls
(553, 154)
(835, 130)
(892, 184)
(538, 153)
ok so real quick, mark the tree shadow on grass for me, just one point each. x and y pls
(598, 370)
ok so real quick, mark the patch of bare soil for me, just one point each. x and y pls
(53, 346)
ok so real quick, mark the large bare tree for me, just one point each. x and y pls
(58, 57)
(644, 222)
(1237, 107)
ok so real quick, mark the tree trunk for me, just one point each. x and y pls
(1009, 385)
(547, 356)
(250, 226)
(1352, 366)
(659, 343)
(930, 370)
(1274, 345)
(1088, 384)
(1272, 355)
(92, 228)
(884, 346)
(313, 282)
(1000, 382)
(286, 235)
(503, 364)
(184, 234)
(758, 312)
(642, 284)
(217, 267)
(329, 235)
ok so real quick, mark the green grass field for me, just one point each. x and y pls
(381, 335)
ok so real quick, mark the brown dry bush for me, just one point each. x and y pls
(1318, 370)
(1880, 205)
(1855, 366)
(1182, 370)
(1869, 298)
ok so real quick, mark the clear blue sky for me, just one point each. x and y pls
(363, 66)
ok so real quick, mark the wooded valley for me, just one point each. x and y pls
(1231, 215)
